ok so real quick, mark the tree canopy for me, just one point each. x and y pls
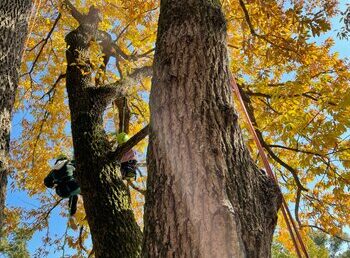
(296, 88)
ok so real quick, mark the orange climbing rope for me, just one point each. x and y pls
(297, 241)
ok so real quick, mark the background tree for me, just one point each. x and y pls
(13, 28)
(296, 88)
(345, 30)
(107, 203)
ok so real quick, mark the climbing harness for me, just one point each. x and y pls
(285, 210)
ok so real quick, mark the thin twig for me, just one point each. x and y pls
(43, 45)
(60, 77)
(325, 231)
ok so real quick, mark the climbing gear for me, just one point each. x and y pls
(128, 169)
(61, 157)
(122, 138)
(285, 210)
(72, 204)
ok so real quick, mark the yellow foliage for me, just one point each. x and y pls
(299, 92)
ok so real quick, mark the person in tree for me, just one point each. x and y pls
(128, 161)
(61, 177)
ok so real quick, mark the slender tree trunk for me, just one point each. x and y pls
(13, 30)
(114, 230)
(205, 196)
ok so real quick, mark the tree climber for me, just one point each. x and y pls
(128, 161)
(61, 177)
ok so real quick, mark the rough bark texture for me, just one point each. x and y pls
(114, 230)
(13, 30)
(205, 196)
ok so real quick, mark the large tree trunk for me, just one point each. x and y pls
(205, 196)
(13, 30)
(114, 230)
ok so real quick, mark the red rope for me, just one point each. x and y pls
(285, 210)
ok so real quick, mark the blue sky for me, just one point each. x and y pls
(57, 222)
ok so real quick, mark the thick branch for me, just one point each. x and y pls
(110, 48)
(105, 94)
(121, 150)
(74, 12)
(281, 162)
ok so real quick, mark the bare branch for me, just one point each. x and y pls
(43, 121)
(35, 46)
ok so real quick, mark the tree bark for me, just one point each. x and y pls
(205, 196)
(114, 230)
(13, 30)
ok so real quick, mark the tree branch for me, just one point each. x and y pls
(281, 162)
(297, 203)
(105, 94)
(250, 111)
(305, 95)
(51, 209)
(263, 37)
(325, 231)
(128, 25)
(295, 149)
(74, 12)
(43, 45)
(60, 77)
